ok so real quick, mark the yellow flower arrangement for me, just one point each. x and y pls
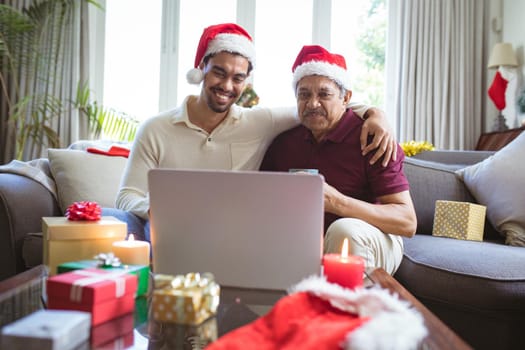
(414, 147)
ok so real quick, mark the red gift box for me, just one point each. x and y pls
(105, 294)
(112, 330)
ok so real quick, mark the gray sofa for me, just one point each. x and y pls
(477, 288)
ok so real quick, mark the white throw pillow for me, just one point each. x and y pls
(498, 182)
(83, 176)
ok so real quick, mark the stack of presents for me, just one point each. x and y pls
(94, 298)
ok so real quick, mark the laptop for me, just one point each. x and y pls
(251, 229)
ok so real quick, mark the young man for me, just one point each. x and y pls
(366, 203)
(210, 131)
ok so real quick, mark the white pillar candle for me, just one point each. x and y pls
(132, 252)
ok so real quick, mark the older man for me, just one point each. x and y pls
(366, 203)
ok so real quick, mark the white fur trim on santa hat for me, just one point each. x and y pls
(393, 323)
(232, 43)
(332, 71)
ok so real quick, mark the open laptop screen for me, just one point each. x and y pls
(250, 229)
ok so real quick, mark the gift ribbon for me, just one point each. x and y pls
(84, 210)
(107, 260)
(119, 343)
(95, 277)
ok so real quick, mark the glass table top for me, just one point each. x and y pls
(25, 293)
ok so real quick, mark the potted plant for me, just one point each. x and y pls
(31, 46)
(22, 62)
(104, 121)
(521, 102)
(521, 107)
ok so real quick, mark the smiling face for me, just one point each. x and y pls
(225, 77)
(320, 104)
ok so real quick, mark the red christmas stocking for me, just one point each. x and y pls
(497, 91)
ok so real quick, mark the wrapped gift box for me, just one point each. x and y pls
(142, 303)
(47, 330)
(181, 336)
(125, 341)
(105, 294)
(141, 271)
(189, 299)
(66, 240)
(113, 331)
(460, 220)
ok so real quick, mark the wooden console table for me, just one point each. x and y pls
(494, 141)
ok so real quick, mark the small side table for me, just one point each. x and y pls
(22, 294)
(496, 140)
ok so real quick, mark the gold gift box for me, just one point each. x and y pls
(66, 240)
(185, 299)
(460, 220)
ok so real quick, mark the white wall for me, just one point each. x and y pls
(513, 32)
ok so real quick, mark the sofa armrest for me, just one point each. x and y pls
(23, 203)
(460, 158)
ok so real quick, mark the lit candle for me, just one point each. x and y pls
(344, 270)
(132, 252)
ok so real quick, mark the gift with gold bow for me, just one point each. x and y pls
(185, 299)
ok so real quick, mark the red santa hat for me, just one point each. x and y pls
(228, 37)
(321, 315)
(316, 60)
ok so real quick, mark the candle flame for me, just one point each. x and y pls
(131, 237)
(344, 250)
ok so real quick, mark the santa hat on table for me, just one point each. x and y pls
(321, 315)
(228, 37)
(316, 60)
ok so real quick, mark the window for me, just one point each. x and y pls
(279, 36)
(132, 56)
(149, 49)
(191, 26)
(359, 34)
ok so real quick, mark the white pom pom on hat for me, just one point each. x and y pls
(228, 37)
(316, 60)
(195, 76)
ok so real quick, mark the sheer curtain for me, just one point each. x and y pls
(436, 70)
(64, 46)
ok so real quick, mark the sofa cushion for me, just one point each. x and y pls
(480, 275)
(32, 250)
(83, 176)
(431, 181)
(498, 183)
